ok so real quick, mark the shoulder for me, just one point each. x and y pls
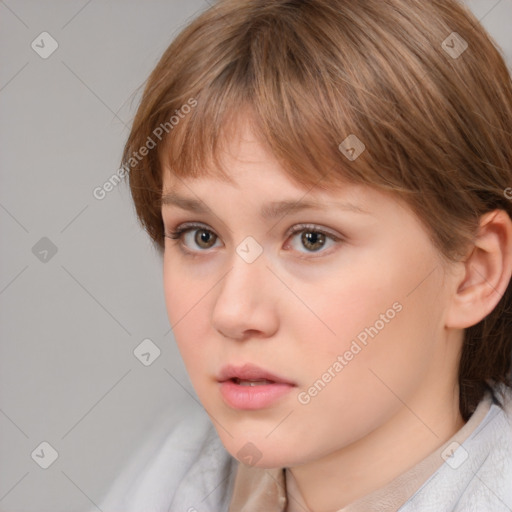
(490, 450)
(479, 477)
(181, 464)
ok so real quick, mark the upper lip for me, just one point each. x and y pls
(249, 371)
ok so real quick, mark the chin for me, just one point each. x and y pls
(256, 451)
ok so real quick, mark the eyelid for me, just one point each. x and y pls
(294, 229)
(297, 228)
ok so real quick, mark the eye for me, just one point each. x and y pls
(193, 233)
(312, 238)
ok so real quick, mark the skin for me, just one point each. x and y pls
(294, 310)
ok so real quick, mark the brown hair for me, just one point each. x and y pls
(436, 120)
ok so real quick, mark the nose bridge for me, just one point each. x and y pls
(244, 279)
(243, 301)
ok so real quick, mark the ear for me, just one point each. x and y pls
(486, 273)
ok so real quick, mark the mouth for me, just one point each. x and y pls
(249, 387)
(255, 382)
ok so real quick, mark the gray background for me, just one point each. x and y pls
(70, 321)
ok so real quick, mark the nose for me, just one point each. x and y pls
(246, 304)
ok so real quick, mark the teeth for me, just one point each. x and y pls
(255, 382)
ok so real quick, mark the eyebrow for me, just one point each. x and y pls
(268, 211)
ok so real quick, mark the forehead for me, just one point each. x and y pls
(241, 158)
(249, 169)
(246, 168)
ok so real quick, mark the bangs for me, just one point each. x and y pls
(303, 149)
(297, 106)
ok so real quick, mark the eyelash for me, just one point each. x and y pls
(177, 237)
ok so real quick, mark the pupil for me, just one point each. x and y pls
(204, 236)
(313, 239)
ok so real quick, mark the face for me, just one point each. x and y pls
(299, 327)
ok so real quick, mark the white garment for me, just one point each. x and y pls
(190, 471)
(182, 467)
(483, 482)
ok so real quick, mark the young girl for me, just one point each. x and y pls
(329, 185)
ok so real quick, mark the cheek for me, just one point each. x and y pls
(372, 336)
(184, 299)
(349, 388)
(345, 305)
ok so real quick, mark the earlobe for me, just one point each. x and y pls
(487, 272)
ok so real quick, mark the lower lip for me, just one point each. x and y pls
(252, 397)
